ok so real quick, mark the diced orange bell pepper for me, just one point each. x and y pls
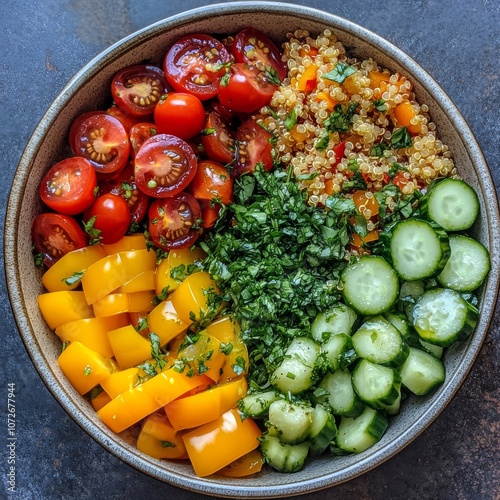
(359, 242)
(192, 411)
(129, 347)
(246, 465)
(126, 244)
(404, 113)
(136, 403)
(173, 269)
(119, 382)
(100, 400)
(63, 275)
(62, 307)
(159, 439)
(92, 333)
(115, 270)
(307, 81)
(83, 367)
(141, 283)
(330, 101)
(366, 203)
(166, 322)
(191, 300)
(216, 444)
(377, 77)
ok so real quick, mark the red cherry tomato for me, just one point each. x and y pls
(54, 235)
(112, 217)
(75, 126)
(124, 117)
(254, 146)
(164, 166)
(102, 139)
(209, 212)
(137, 89)
(217, 139)
(247, 89)
(195, 64)
(68, 187)
(139, 134)
(123, 184)
(212, 181)
(180, 114)
(253, 47)
(173, 221)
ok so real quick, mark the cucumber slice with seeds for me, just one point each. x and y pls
(282, 456)
(290, 422)
(341, 396)
(339, 351)
(339, 319)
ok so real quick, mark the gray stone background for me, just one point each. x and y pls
(44, 42)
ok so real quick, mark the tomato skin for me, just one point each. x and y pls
(180, 114)
(68, 187)
(54, 235)
(137, 89)
(253, 47)
(173, 221)
(112, 217)
(254, 147)
(123, 184)
(103, 140)
(209, 212)
(184, 65)
(212, 181)
(218, 141)
(125, 118)
(164, 166)
(139, 134)
(247, 89)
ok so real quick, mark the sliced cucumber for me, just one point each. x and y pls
(295, 371)
(257, 404)
(441, 316)
(341, 396)
(355, 435)
(468, 265)
(371, 286)
(322, 432)
(393, 408)
(339, 351)
(452, 203)
(419, 249)
(376, 385)
(281, 456)
(379, 341)
(422, 372)
(290, 422)
(399, 321)
(339, 319)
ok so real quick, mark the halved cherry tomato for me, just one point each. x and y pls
(103, 140)
(247, 89)
(124, 117)
(76, 124)
(254, 147)
(139, 134)
(54, 235)
(137, 89)
(253, 47)
(173, 221)
(68, 187)
(180, 114)
(112, 217)
(209, 212)
(123, 184)
(164, 166)
(196, 64)
(212, 181)
(217, 139)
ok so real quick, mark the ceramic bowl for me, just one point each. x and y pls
(83, 93)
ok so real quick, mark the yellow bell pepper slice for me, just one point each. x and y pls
(236, 360)
(126, 244)
(223, 328)
(83, 367)
(92, 332)
(246, 465)
(66, 273)
(141, 283)
(166, 322)
(129, 347)
(62, 307)
(100, 400)
(216, 444)
(141, 301)
(119, 382)
(174, 268)
(113, 303)
(191, 299)
(198, 409)
(136, 403)
(115, 270)
(159, 439)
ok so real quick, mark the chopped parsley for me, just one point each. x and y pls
(339, 121)
(74, 278)
(95, 234)
(401, 138)
(340, 72)
(291, 120)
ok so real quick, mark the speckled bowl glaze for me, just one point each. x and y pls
(86, 91)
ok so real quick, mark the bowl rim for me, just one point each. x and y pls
(12, 265)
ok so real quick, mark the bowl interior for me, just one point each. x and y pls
(89, 90)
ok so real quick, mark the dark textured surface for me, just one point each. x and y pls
(44, 43)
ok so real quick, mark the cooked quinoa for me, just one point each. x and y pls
(380, 104)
